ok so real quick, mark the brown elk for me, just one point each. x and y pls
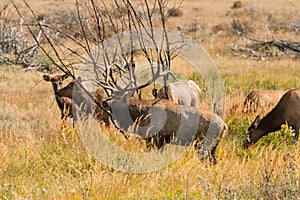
(286, 111)
(260, 100)
(183, 92)
(81, 96)
(64, 103)
(169, 122)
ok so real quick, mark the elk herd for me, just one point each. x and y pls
(174, 114)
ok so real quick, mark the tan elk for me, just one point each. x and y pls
(80, 97)
(261, 100)
(169, 122)
(183, 92)
(286, 111)
(64, 103)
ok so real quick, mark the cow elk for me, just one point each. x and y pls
(81, 97)
(64, 103)
(286, 111)
(261, 100)
(183, 92)
(169, 122)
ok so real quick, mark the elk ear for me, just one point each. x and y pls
(256, 121)
(46, 77)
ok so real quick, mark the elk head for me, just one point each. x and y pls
(64, 103)
(253, 133)
(56, 80)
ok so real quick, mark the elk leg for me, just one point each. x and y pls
(157, 141)
(160, 141)
(153, 141)
(209, 145)
(149, 142)
(212, 156)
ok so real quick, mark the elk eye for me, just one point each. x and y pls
(105, 104)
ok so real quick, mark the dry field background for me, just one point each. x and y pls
(41, 159)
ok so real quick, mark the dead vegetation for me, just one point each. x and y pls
(261, 49)
(15, 44)
(281, 38)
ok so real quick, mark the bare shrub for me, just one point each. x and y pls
(175, 12)
(236, 4)
(240, 27)
(15, 47)
(263, 49)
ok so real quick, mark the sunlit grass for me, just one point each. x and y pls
(40, 158)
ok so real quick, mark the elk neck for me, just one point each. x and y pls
(57, 86)
(270, 122)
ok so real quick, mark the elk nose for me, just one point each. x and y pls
(246, 143)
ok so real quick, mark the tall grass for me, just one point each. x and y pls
(41, 158)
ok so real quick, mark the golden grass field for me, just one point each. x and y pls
(40, 158)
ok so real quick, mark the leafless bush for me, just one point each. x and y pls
(15, 48)
(285, 26)
(236, 4)
(66, 21)
(247, 21)
(261, 49)
(254, 19)
(175, 12)
(240, 28)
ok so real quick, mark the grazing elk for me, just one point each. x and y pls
(260, 100)
(164, 120)
(64, 103)
(286, 111)
(183, 92)
(81, 97)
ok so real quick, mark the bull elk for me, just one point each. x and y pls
(183, 92)
(167, 120)
(64, 103)
(286, 111)
(259, 100)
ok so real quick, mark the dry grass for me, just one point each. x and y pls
(41, 159)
